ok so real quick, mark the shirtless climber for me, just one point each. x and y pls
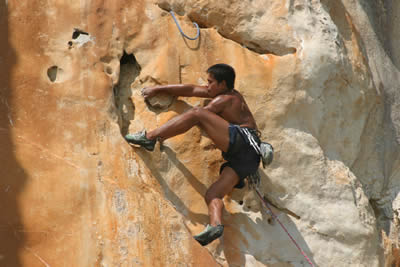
(228, 121)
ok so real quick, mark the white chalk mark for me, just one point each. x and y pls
(8, 115)
(84, 38)
(11, 122)
(37, 256)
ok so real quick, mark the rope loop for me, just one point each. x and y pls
(180, 29)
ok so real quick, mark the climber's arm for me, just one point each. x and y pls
(176, 90)
(219, 104)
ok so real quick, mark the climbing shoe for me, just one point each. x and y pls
(209, 234)
(141, 139)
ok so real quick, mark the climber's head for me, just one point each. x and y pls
(223, 73)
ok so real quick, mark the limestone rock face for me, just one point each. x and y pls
(321, 77)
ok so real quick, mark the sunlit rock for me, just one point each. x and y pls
(321, 78)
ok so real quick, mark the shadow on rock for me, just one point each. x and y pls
(250, 235)
(13, 176)
(148, 159)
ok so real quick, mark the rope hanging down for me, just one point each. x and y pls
(180, 29)
(269, 211)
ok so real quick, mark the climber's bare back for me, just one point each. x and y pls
(233, 109)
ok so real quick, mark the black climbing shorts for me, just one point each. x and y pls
(241, 156)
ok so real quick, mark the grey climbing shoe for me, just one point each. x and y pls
(141, 139)
(209, 234)
(266, 153)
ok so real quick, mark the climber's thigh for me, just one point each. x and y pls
(215, 126)
(224, 185)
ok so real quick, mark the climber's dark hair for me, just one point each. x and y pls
(223, 72)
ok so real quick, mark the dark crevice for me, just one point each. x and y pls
(383, 222)
(253, 46)
(129, 70)
(78, 32)
(128, 59)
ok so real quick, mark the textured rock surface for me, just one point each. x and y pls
(321, 77)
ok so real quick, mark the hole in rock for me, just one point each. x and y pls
(78, 32)
(127, 59)
(109, 70)
(52, 73)
(129, 70)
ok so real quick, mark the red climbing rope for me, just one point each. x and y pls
(283, 227)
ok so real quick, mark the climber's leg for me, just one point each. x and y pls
(215, 127)
(214, 195)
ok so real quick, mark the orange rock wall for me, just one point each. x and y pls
(318, 76)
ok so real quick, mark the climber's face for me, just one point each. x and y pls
(214, 87)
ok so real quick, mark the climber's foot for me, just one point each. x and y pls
(140, 138)
(209, 234)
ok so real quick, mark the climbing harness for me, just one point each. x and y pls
(180, 29)
(250, 137)
(272, 214)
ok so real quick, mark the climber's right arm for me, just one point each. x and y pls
(176, 90)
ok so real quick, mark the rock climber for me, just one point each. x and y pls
(229, 123)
